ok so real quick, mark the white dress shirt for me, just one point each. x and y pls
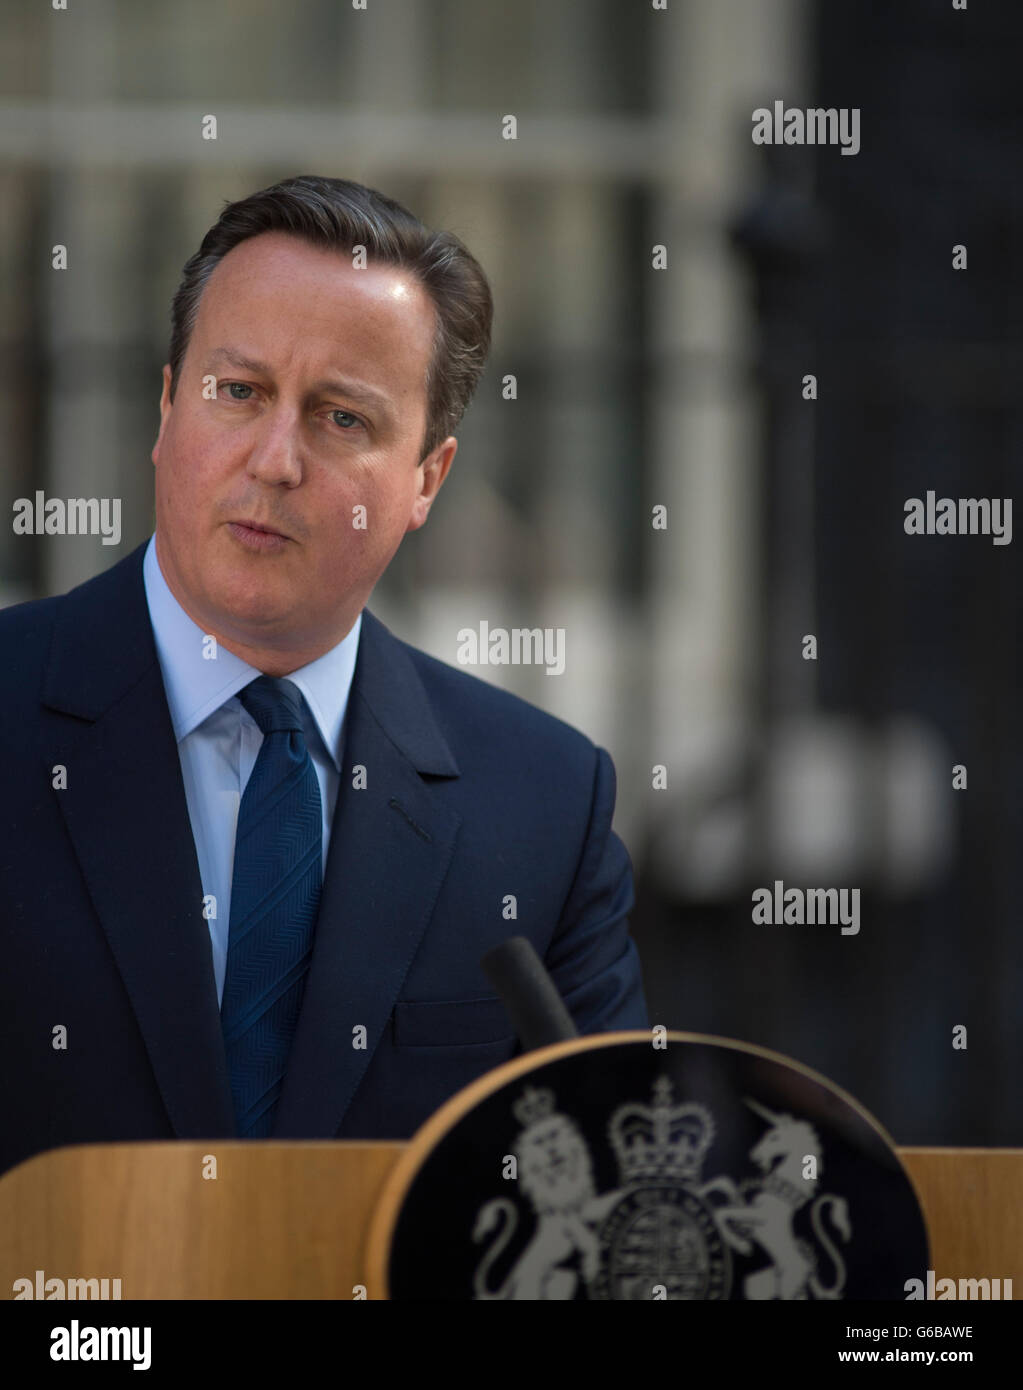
(218, 740)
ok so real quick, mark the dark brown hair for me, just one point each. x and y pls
(339, 215)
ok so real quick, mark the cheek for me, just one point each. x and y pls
(184, 500)
(208, 488)
(168, 484)
(387, 508)
(179, 471)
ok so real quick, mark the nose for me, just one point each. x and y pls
(276, 454)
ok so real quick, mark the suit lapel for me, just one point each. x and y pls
(390, 848)
(126, 814)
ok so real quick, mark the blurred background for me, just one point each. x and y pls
(637, 388)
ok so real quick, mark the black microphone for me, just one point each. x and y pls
(534, 1005)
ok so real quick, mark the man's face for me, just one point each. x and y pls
(318, 412)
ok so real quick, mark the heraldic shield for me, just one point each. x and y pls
(613, 1168)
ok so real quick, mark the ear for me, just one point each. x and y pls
(432, 472)
(165, 410)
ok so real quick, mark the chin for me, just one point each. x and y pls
(263, 611)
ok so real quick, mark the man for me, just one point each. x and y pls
(255, 846)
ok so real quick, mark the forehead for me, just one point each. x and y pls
(314, 307)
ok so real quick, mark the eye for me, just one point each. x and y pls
(348, 416)
(236, 386)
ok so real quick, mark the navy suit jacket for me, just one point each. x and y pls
(472, 795)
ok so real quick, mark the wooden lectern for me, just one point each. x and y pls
(293, 1220)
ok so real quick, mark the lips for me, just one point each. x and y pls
(258, 526)
(257, 538)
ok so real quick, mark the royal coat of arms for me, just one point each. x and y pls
(664, 1232)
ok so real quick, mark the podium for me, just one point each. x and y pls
(303, 1220)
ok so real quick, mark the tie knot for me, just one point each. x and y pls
(274, 703)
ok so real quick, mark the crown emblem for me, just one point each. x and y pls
(535, 1103)
(660, 1142)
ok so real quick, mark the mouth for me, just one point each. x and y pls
(254, 535)
(258, 526)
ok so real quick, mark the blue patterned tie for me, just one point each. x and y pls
(275, 894)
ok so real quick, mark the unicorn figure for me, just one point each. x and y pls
(761, 1211)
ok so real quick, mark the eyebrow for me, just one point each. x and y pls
(341, 386)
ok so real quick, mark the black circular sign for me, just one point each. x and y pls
(619, 1170)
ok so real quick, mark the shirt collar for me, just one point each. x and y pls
(197, 685)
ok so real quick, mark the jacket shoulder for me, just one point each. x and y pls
(471, 708)
(30, 630)
(26, 630)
